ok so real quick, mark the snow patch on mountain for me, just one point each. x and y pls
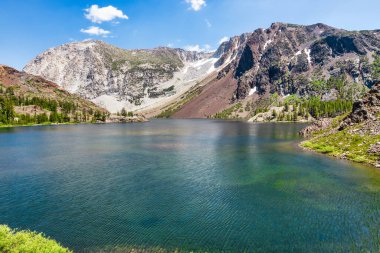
(252, 91)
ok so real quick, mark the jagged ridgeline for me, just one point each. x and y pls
(249, 74)
(27, 99)
(285, 69)
(119, 78)
(294, 59)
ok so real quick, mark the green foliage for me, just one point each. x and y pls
(123, 112)
(343, 143)
(274, 113)
(318, 84)
(292, 99)
(286, 107)
(318, 108)
(345, 89)
(55, 111)
(296, 108)
(99, 116)
(6, 110)
(171, 88)
(12, 241)
(376, 67)
(319, 147)
(274, 98)
(227, 113)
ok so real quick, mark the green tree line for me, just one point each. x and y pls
(61, 111)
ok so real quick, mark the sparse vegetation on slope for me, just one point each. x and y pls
(230, 113)
(173, 108)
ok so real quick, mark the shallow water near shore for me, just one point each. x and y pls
(201, 185)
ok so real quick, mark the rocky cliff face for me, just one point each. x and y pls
(120, 78)
(366, 113)
(286, 58)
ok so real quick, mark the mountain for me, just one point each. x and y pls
(286, 59)
(355, 136)
(118, 78)
(29, 99)
(236, 81)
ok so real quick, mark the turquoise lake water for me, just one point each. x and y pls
(201, 185)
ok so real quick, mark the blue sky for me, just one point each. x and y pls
(28, 27)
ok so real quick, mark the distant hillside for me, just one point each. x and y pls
(355, 137)
(29, 99)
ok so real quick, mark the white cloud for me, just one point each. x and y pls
(192, 48)
(196, 5)
(198, 48)
(224, 39)
(102, 14)
(208, 23)
(170, 45)
(207, 48)
(94, 30)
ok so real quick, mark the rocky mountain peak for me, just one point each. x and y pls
(117, 78)
(285, 58)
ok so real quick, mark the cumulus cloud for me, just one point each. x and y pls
(224, 39)
(94, 30)
(196, 5)
(198, 48)
(103, 14)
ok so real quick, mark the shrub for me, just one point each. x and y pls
(13, 241)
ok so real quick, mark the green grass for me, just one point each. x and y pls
(343, 144)
(13, 241)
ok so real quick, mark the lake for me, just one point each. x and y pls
(199, 185)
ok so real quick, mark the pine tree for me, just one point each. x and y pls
(123, 112)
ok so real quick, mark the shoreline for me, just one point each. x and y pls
(73, 123)
(339, 156)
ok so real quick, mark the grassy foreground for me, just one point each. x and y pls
(13, 241)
